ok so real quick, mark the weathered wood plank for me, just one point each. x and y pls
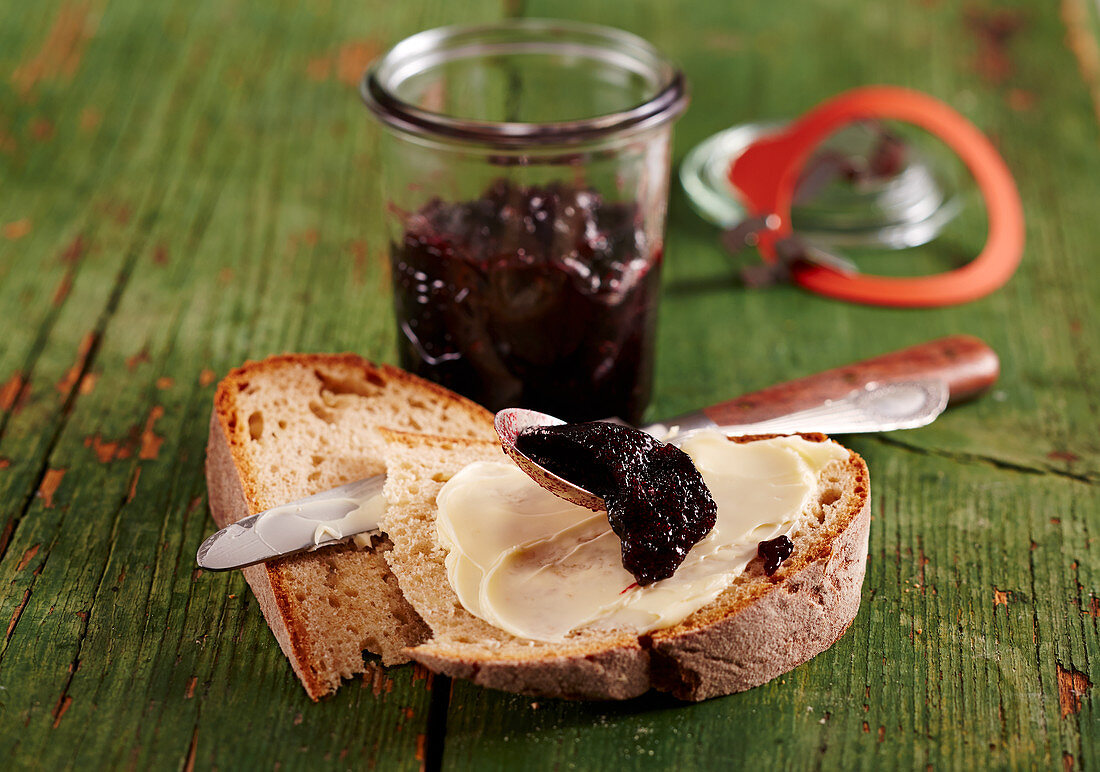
(217, 218)
(183, 187)
(1038, 323)
(978, 633)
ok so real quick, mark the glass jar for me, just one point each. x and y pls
(526, 169)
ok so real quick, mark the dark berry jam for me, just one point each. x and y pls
(774, 551)
(541, 297)
(657, 502)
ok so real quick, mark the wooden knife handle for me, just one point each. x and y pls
(967, 364)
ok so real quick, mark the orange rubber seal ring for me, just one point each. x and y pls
(768, 171)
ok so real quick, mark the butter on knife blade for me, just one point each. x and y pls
(316, 521)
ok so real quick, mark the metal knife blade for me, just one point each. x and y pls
(965, 364)
(307, 524)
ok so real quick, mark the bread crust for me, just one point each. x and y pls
(617, 671)
(228, 504)
(741, 640)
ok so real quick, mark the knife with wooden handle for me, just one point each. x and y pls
(963, 364)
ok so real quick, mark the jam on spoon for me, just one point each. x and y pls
(657, 502)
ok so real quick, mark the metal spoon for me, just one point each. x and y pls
(875, 408)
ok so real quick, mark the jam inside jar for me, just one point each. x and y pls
(526, 170)
(540, 296)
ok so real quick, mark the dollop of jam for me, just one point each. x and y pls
(774, 551)
(657, 502)
(530, 295)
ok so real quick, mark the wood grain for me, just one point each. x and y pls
(187, 185)
(176, 223)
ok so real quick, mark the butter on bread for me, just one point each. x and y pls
(294, 425)
(758, 628)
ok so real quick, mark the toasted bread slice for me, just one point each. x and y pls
(291, 426)
(759, 627)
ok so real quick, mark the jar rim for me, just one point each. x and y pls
(433, 47)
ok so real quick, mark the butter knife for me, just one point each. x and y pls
(952, 369)
(316, 521)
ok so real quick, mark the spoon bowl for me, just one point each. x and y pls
(513, 420)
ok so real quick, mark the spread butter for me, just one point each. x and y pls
(539, 567)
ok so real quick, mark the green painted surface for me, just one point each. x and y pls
(186, 186)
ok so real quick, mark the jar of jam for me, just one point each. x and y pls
(526, 170)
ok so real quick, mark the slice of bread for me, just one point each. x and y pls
(291, 426)
(759, 627)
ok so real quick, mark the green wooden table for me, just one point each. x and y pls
(184, 186)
